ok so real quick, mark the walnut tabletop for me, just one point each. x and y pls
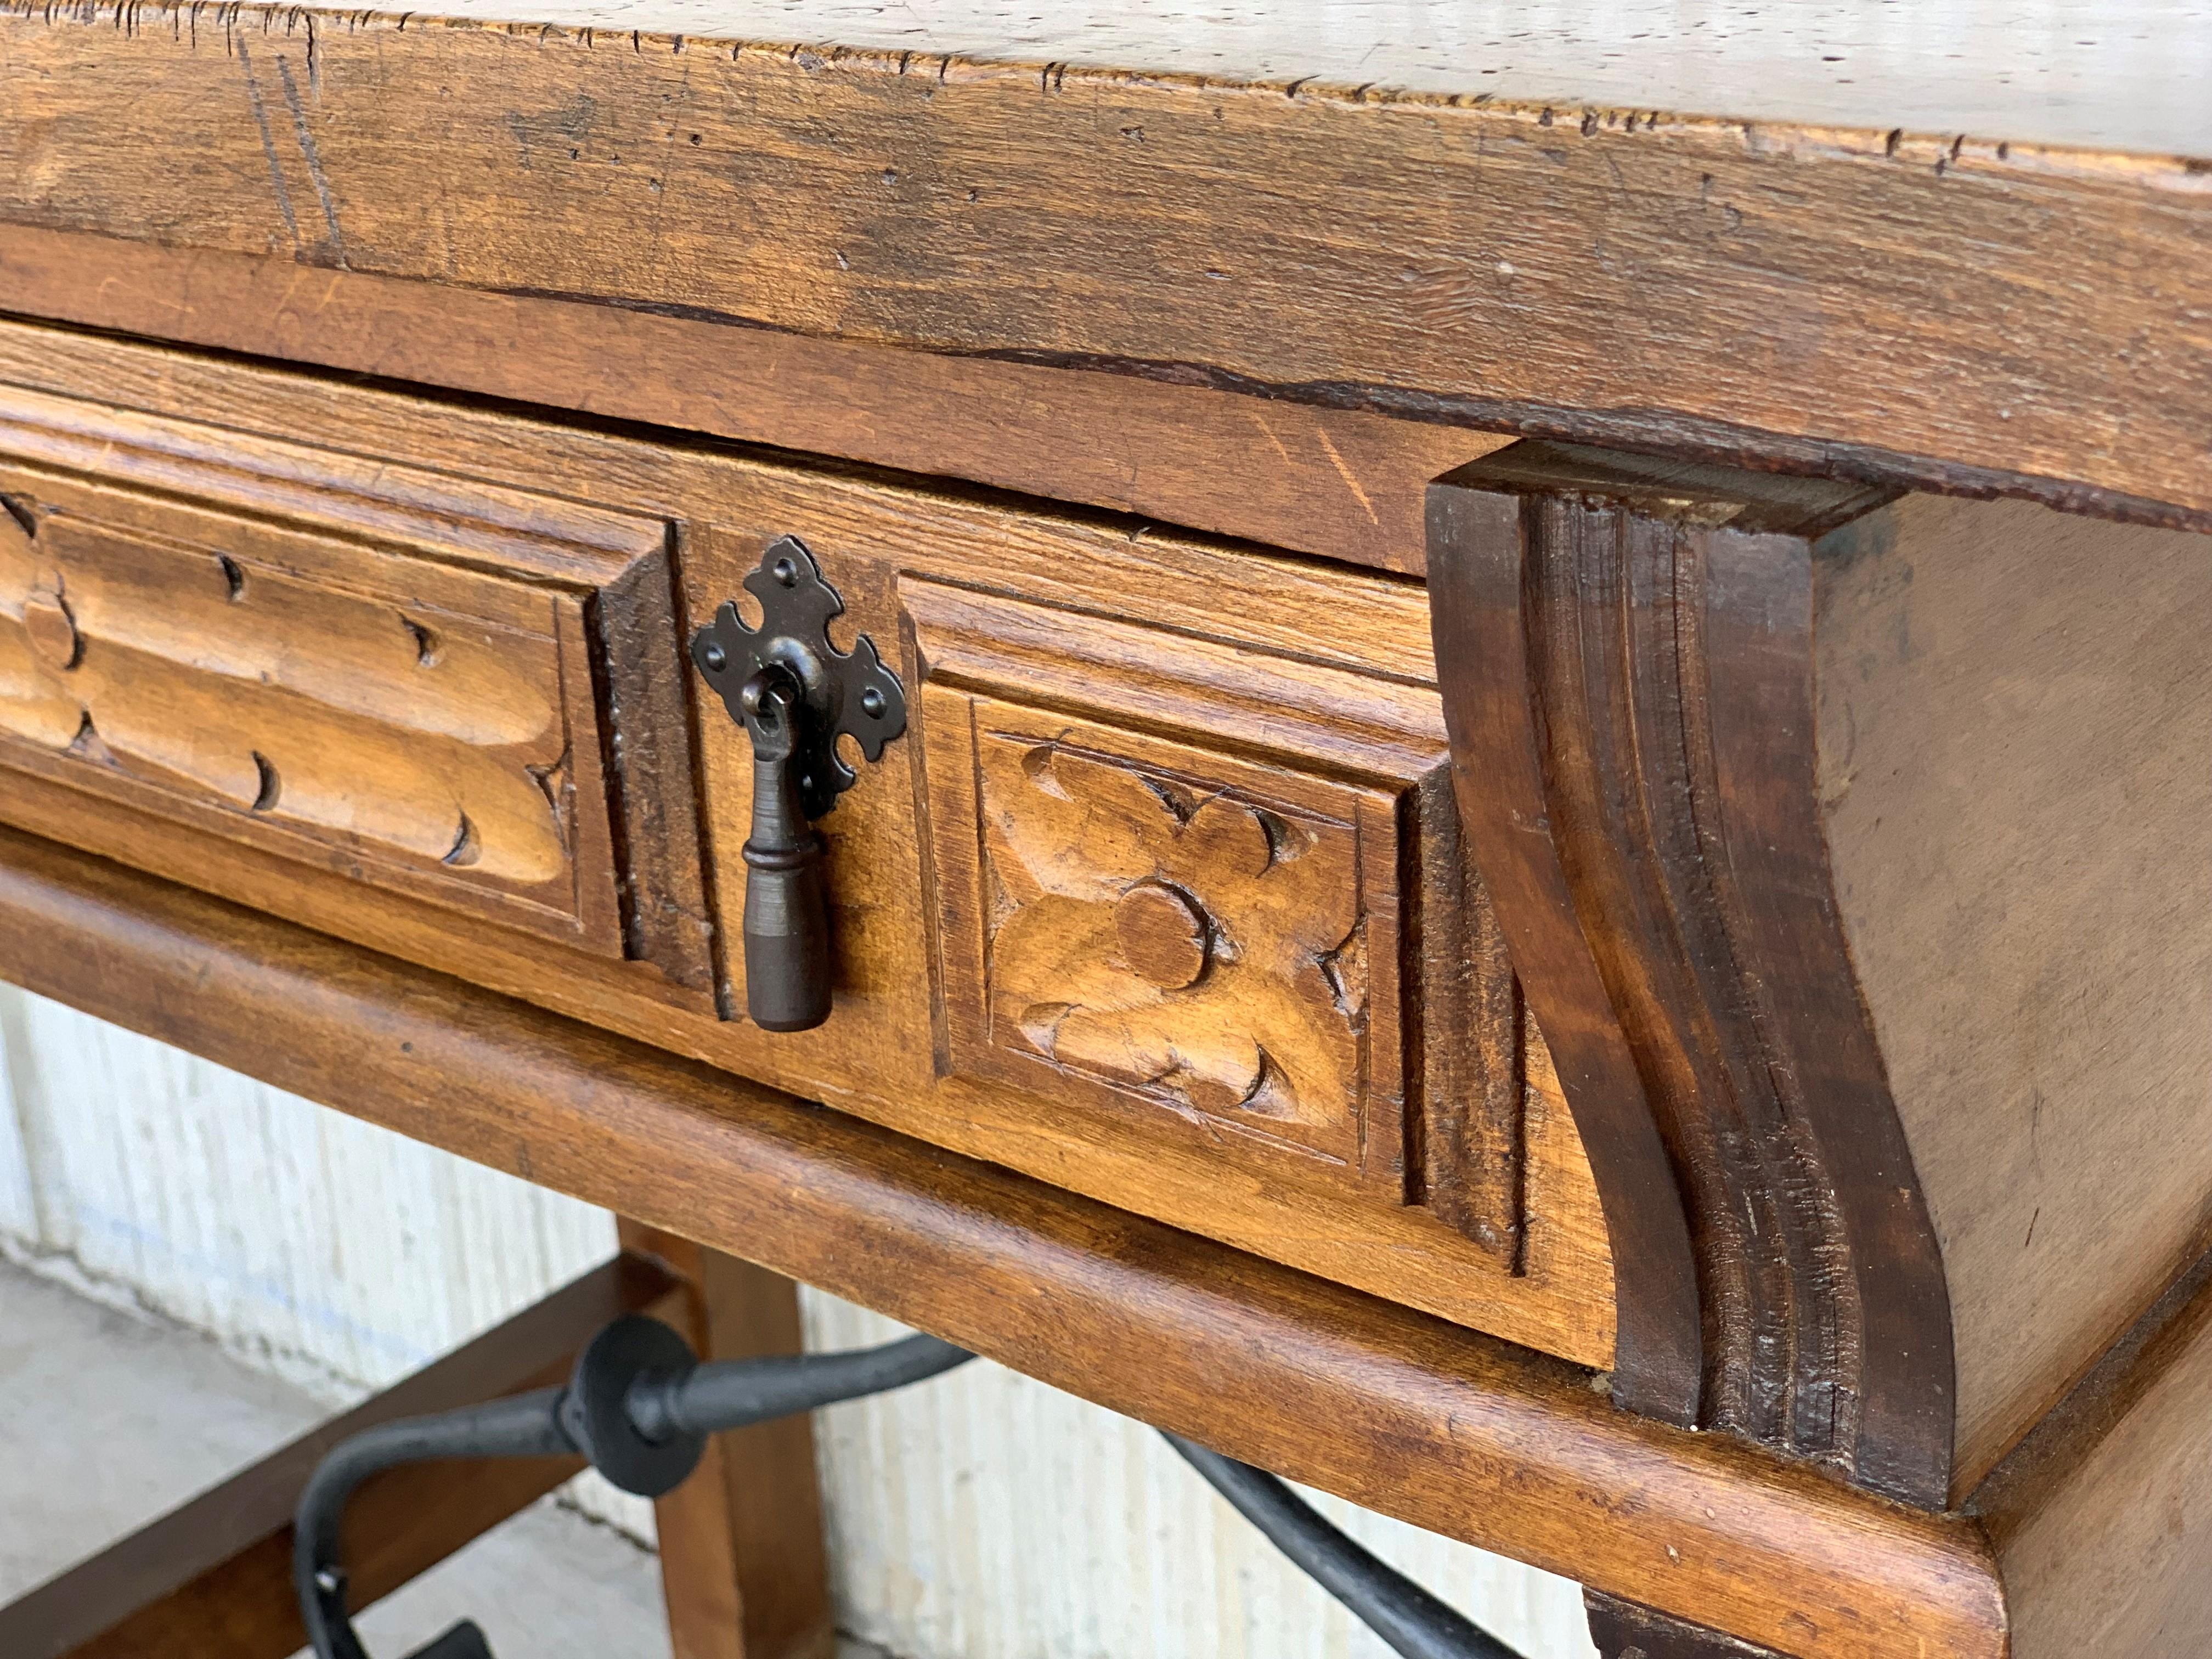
(1802, 265)
(2086, 76)
(1461, 747)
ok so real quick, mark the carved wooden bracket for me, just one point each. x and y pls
(1624, 651)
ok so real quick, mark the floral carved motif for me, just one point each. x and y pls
(1199, 947)
(1199, 898)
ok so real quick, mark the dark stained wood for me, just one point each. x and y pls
(1626, 654)
(743, 1568)
(1386, 1406)
(1483, 1107)
(213, 1578)
(1342, 483)
(1622, 1630)
(1450, 258)
(1916, 771)
(1483, 656)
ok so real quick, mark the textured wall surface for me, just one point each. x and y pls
(981, 1517)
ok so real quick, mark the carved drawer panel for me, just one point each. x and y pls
(1183, 880)
(421, 685)
(1161, 898)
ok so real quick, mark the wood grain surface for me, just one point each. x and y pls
(1313, 480)
(2102, 1516)
(1786, 292)
(1189, 630)
(2083, 1279)
(458, 693)
(1920, 773)
(745, 1571)
(335, 705)
(2117, 75)
(2012, 706)
(1171, 872)
(1626, 653)
(1384, 1405)
(1622, 1630)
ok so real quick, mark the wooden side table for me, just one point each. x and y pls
(1490, 795)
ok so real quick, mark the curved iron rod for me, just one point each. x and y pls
(704, 1399)
(521, 1425)
(736, 1394)
(1410, 1620)
(663, 1407)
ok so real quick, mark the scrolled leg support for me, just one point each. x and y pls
(640, 1407)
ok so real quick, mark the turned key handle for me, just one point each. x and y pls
(795, 695)
(787, 913)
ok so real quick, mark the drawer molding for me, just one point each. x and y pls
(1487, 1152)
(458, 692)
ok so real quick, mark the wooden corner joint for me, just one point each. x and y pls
(1835, 936)
(1625, 651)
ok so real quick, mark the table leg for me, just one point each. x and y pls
(1625, 1629)
(742, 1563)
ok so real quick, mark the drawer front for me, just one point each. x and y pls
(421, 685)
(1180, 880)
(1160, 897)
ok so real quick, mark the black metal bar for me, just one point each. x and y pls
(715, 1398)
(1410, 1620)
(640, 1408)
(521, 1425)
(464, 1641)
